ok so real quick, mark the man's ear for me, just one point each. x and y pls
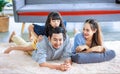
(49, 38)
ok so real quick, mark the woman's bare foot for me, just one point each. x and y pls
(10, 39)
(7, 51)
(76, 31)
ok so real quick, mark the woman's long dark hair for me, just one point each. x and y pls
(97, 36)
(53, 16)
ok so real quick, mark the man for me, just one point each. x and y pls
(53, 48)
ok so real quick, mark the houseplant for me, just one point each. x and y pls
(4, 20)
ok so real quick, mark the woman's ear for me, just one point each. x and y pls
(95, 30)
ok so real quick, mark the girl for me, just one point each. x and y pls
(42, 30)
(54, 19)
(90, 40)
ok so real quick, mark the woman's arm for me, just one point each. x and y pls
(79, 42)
(97, 49)
(81, 48)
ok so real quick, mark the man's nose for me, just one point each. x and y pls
(58, 42)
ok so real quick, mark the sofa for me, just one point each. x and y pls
(36, 11)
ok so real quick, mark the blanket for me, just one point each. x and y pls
(17, 62)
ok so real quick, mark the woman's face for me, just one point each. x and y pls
(87, 31)
(55, 23)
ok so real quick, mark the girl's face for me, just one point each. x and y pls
(55, 23)
(87, 31)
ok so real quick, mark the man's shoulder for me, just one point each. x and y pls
(44, 41)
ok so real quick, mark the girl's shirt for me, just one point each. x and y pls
(39, 30)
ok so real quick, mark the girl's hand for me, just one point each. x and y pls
(40, 37)
(65, 67)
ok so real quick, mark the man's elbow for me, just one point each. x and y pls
(42, 65)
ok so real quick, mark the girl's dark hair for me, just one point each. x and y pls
(57, 30)
(53, 16)
(97, 36)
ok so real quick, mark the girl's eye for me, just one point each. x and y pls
(53, 20)
(58, 20)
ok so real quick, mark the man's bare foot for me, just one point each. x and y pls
(10, 39)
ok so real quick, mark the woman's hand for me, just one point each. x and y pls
(78, 49)
(96, 49)
(81, 48)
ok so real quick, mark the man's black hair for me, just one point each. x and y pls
(57, 30)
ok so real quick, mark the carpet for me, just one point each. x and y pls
(17, 62)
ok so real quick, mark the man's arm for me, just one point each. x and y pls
(67, 52)
(61, 67)
(68, 63)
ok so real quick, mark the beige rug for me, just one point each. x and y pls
(19, 63)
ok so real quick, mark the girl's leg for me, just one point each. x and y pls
(21, 44)
(31, 30)
(18, 47)
(10, 39)
(17, 40)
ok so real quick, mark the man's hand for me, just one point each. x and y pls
(61, 67)
(65, 67)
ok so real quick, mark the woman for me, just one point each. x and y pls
(90, 40)
(88, 45)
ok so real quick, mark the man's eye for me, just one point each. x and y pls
(60, 40)
(55, 39)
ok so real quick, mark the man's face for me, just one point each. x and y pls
(56, 40)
